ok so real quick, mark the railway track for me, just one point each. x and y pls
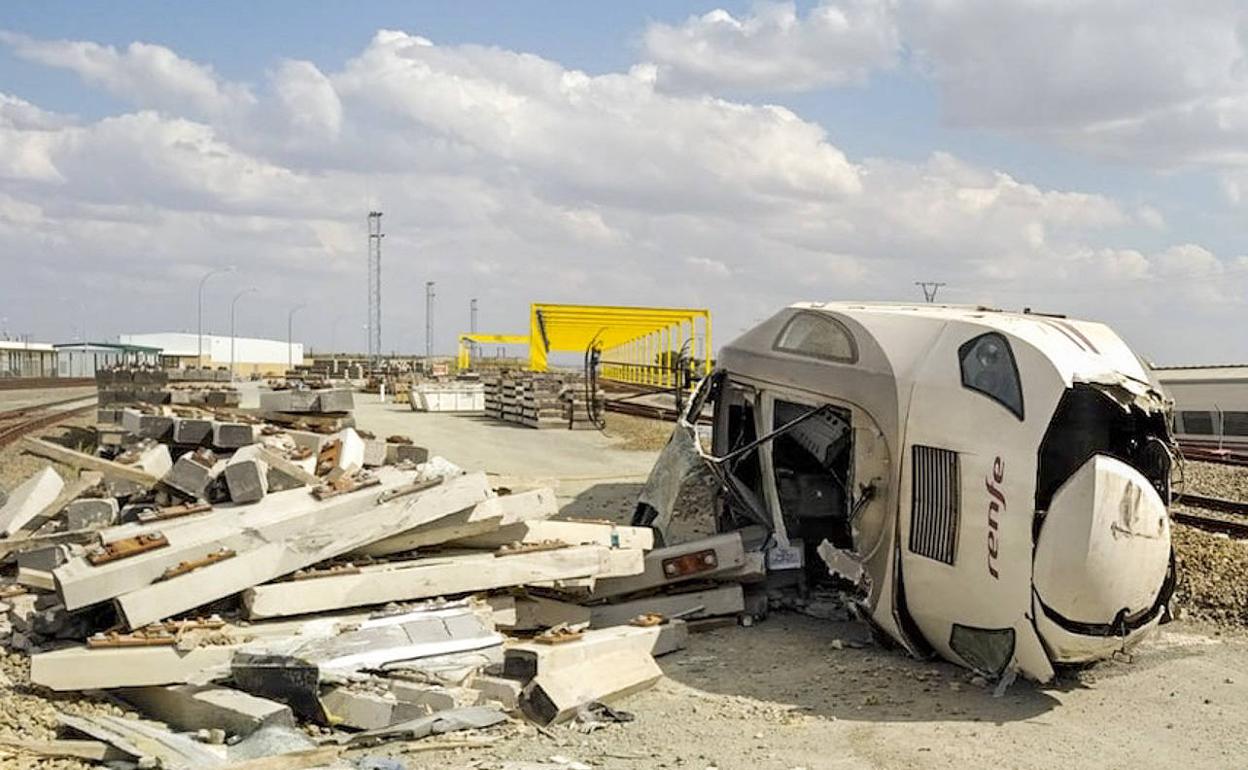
(1213, 454)
(641, 410)
(1236, 529)
(16, 423)
(44, 383)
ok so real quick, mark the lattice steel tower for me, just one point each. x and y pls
(374, 284)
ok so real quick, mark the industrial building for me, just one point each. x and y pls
(84, 359)
(250, 355)
(27, 359)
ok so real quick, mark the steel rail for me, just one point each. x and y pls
(1221, 504)
(1210, 454)
(1236, 529)
(11, 433)
(44, 383)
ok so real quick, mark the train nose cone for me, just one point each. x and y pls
(1101, 561)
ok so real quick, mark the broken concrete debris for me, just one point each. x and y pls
(29, 499)
(233, 575)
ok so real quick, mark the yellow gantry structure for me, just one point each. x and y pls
(464, 360)
(639, 344)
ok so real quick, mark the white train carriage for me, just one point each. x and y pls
(996, 484)
(1210, 403)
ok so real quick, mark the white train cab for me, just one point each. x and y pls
(995, 484)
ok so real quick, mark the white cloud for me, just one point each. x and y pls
(1159, 84)
(309, 105)
(510, 178)
(1163, 85)
(144, 74)
(608, 137)
(21, 114)
(837, 43)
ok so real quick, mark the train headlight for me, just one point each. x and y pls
(987, 650)
(988, 367)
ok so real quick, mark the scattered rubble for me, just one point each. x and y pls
(277, 582)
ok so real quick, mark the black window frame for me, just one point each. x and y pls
(965, 347)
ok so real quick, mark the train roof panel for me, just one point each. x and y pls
(1079, 349)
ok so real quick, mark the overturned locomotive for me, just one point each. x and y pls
(995, 484)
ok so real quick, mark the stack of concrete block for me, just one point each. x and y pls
(325, 409)
(539, 400)
(296, 401)
(132, 385)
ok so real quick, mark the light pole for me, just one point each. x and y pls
(290, 337)
(233, 305)
(199, 360)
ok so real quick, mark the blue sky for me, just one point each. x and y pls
(894, 86)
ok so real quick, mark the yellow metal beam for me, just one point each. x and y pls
(464, 359)
(637, 341)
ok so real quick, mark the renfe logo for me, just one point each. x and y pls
(995, 506)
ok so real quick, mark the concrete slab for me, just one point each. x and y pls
(432, 577)
(555, 696)
(374, 453)
(192, 432)
(523, 661)
(430, 698)
(157, 427)
(247, 479)
(232, 435)
(570, 532)
(398, 453)
(485, 517)
(358, 519)
(535, 613)
(240, 528)
(505, 692)
(334, 400)
(294, 670)
(191, 474)
(91, 513)
(194, 707)
(81, 461)
(29, 499)
(344, 707)
(724, 600)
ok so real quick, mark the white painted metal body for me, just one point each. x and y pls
(1083, 577)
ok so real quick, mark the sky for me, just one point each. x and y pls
(1087, 158)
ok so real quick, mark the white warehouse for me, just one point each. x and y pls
(250, 355)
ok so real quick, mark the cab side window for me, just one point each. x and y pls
(988, 367)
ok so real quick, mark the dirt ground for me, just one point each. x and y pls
(797, 691)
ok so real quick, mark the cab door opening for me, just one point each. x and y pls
(813, 467)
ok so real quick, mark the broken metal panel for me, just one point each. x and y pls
(678, 463)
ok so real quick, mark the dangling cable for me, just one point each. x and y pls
(593, 356)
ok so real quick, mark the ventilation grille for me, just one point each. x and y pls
(935, 507)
